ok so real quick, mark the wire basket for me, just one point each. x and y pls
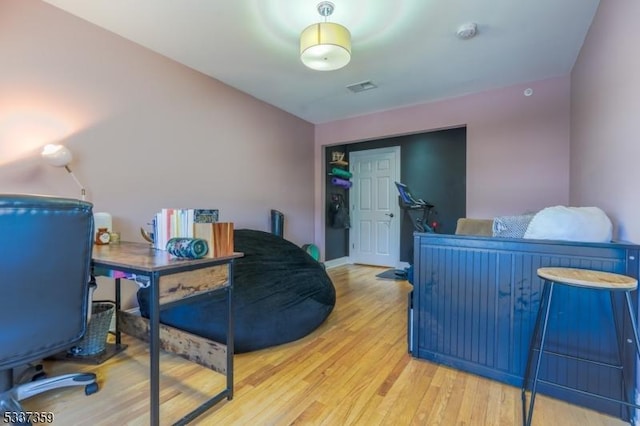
(94, 341)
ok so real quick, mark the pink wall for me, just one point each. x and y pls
(605, 109)
(517, 146)
(146, 132)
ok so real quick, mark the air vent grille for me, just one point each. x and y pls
(362, 86)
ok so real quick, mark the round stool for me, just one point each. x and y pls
(584, 278)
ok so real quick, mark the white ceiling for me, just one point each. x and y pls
(408, 48)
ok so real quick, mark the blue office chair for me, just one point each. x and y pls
(45, 265)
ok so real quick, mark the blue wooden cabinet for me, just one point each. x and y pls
(475, 302)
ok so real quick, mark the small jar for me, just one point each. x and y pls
(102, 236)
(114, 237)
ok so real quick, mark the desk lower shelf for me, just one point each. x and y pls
(205, 352)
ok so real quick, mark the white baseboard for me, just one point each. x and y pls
(333, 263)
(346, 260)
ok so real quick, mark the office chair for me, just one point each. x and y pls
(45, 265)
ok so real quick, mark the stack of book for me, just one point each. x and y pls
(193, 223)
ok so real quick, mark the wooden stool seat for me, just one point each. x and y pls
(589, 279)
(583, 278)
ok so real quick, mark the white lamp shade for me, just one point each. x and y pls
(56, 155)
(103, 220)
(325, 46)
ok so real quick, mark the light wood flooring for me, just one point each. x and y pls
(353, 370)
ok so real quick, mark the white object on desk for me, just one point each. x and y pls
(103, 220)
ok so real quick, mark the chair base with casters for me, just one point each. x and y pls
(10, 399)
(588, 279)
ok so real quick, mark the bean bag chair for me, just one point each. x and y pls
(280, 294)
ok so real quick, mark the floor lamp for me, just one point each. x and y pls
(60, 156)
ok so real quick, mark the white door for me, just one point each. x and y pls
(374, 237)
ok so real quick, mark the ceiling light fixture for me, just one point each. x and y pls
(325, 46)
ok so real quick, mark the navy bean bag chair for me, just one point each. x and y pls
(280, 294)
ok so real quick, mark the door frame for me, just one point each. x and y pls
(395, 149)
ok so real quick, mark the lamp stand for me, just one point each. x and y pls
(83, 192)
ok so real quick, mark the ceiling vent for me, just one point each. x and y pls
(362, 86)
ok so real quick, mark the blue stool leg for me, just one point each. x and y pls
(632, 317)
(532, 345)
(539, 357)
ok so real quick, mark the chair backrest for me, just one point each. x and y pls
(45, 265)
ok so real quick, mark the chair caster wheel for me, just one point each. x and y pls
(39, 376)
(91, 388)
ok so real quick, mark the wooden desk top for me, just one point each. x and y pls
(142, 257)
(588, 278)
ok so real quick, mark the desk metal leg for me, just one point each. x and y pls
(118, 304)
(230, 331)
(154, 339)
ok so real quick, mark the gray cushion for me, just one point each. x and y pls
(511, 226)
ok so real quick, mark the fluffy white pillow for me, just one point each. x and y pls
(587, 224)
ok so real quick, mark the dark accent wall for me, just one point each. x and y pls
(433, 165)
(336, 239)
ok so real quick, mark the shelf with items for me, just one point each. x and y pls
(338, 176)
(336, 231)
(337, 159)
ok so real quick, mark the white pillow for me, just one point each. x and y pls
(587, 224)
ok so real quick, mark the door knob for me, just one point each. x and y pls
(389, 214)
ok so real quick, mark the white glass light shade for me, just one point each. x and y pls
(325, 46)
(56, 155)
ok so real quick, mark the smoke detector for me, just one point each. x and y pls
(467, 31)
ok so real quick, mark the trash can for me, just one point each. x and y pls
(94, 341)
(277, 223)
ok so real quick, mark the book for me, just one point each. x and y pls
(219, 237)
(173, 222)
(204, 231)
(205, 215)
(223, 239)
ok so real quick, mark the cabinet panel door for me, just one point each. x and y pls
(475, 308)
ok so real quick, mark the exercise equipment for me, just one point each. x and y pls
(341, 182)
(344, 174)
(338, 214)
(410, 204)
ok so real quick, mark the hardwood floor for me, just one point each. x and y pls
(353, 370)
